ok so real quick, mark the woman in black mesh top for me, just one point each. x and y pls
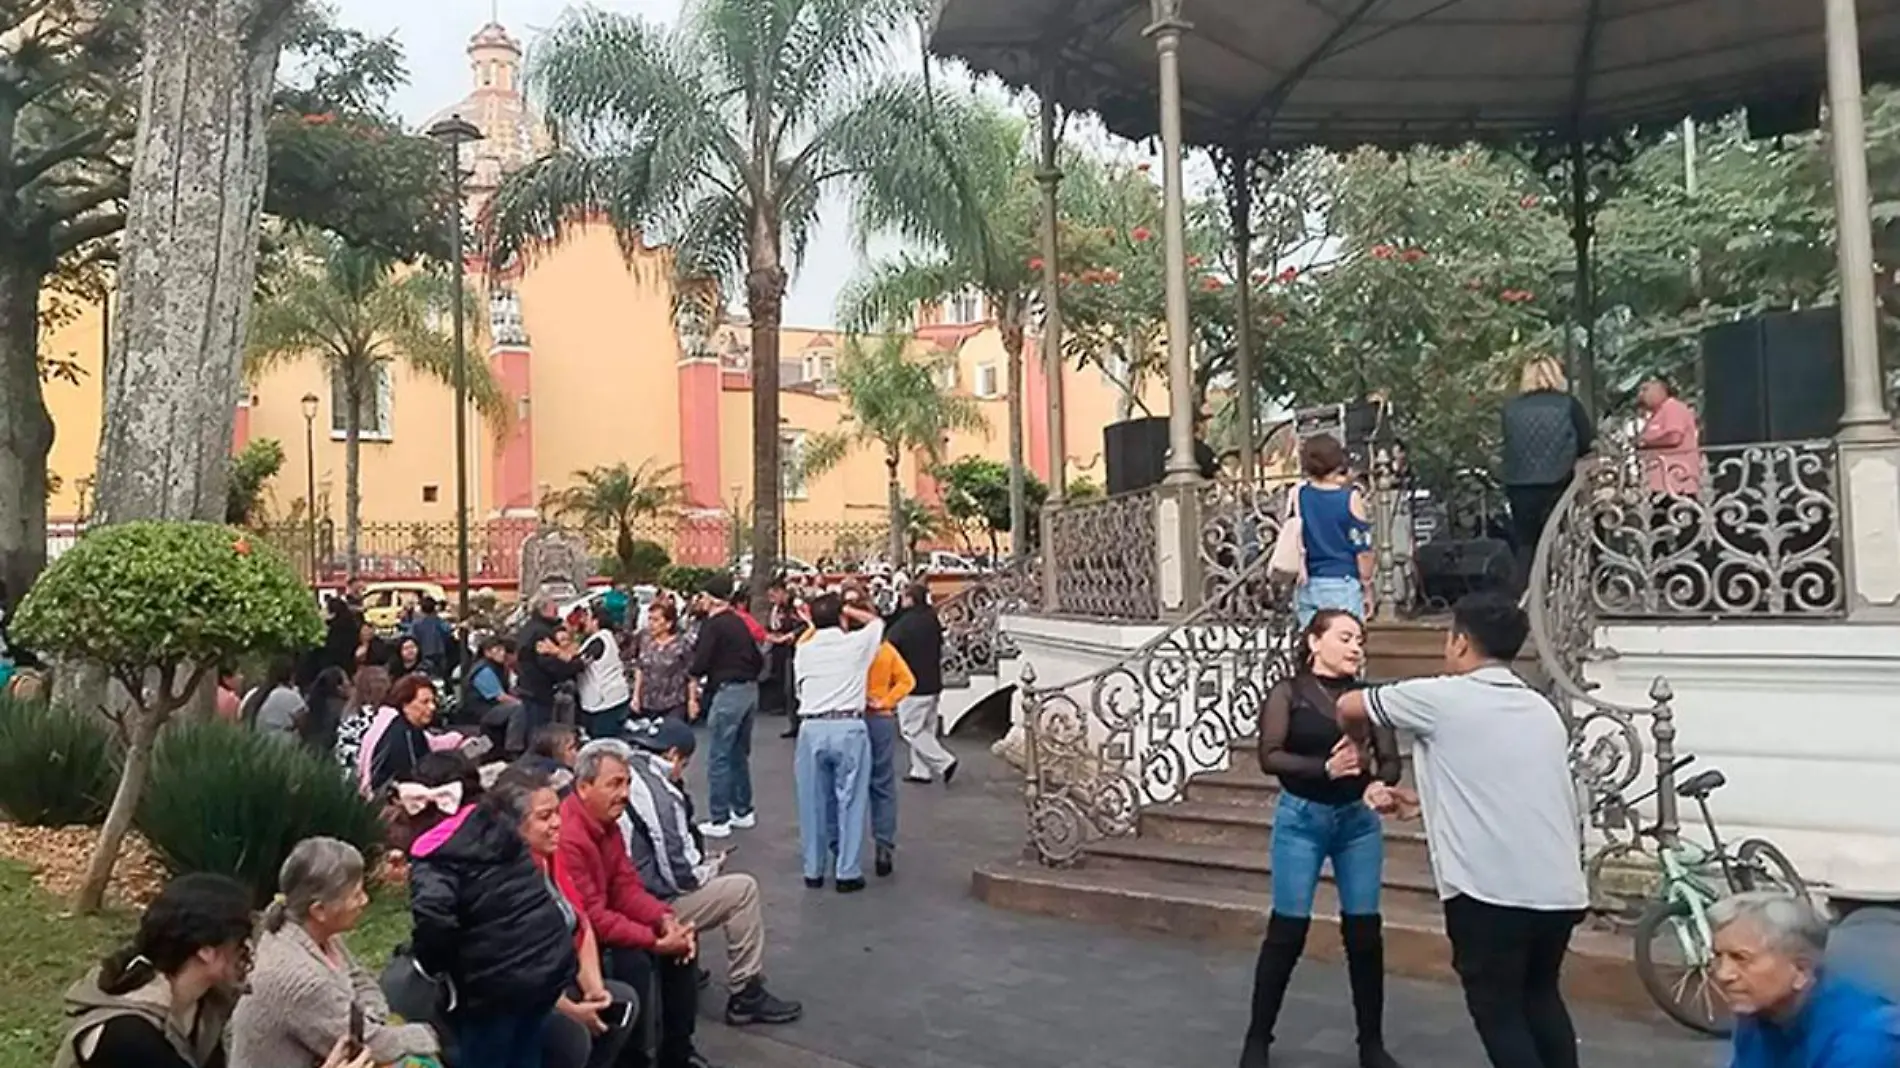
(1331, 794)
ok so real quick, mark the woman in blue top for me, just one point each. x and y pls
(1336, 529)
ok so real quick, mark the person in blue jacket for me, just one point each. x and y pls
(1790, 1010)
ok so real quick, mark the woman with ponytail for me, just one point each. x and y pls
(163, 1000)
(1331, 795)
(306, 986)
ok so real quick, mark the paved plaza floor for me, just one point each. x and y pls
(915, 973)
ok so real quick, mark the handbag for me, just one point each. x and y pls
(1288, 562)
(413, 994)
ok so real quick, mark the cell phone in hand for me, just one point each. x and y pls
(618, 1014)
(355, 1046)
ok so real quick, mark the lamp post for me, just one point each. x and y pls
(454, 132)
(310, 480)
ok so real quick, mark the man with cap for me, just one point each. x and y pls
(657, 826)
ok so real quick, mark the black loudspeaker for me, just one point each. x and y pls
(1449, 568)
(1136, 453)
(1772, 378)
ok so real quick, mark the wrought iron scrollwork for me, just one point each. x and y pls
(1105, 746)
(1103, 555)
(1240, 521)
(973, 642)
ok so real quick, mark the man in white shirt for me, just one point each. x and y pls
(1492, 759)
(832, 768)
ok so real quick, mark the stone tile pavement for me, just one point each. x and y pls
(915, 973)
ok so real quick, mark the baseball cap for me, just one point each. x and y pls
(661, 733)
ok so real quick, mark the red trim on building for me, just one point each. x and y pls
(512, 471)
(241, 428)
(700, 383)
(1035, 409)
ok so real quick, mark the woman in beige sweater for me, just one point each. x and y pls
(304, 983)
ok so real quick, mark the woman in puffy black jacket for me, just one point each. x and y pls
(486, 920)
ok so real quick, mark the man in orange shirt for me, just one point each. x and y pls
(889, 682)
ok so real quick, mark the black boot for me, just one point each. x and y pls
(1279, 952)
(1365, 970)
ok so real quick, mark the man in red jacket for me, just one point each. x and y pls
(644, 944)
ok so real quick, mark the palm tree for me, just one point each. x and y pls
(899, 405)
(719, 136)
(615, 498)
(356, 313)
(972, 209)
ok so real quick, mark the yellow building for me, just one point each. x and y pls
(586, 345)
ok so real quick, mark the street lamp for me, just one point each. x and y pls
(454, 132)
(310, 479)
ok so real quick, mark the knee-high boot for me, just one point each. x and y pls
(1279, 952)
(1365, 968)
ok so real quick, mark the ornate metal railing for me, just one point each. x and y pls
(1103, 747)
(1751, 530)
(1103, 556)
(973, 640)
(1239, 522)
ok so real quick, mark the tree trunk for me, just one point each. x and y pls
(352, 469)
(190, 256)
(1018, 503)
(26, 434)
(125, 801)
(765, 302)
(895, 500)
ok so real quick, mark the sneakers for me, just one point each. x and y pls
(850, 886)
(753, 1004)
(951, 771)
(746, 822)
(716, 830)
(886, 860)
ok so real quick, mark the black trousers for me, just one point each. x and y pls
(1509, 961)
(669, 1007)
(1530, 510)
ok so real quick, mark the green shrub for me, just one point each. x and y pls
(227, 800)
(684, 578)
(57, 766)
(647, 562)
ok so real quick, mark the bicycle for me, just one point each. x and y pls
(1676, 916)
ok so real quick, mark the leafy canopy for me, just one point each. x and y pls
(895, 401)
(158, 597)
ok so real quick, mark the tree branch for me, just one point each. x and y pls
(75, 234)
(84, 143)
(70, 208)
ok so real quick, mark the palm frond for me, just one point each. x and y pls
(884, 296)
(823, 452)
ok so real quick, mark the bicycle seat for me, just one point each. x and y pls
(1702, 785)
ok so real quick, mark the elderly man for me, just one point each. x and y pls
(917, 635)
(832, 768)
(540, 666)
(658, 828)
(645, 945)
(726, 655)
(1790, 1011)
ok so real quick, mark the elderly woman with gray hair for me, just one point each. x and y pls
(305, 985)
(1791, 1012)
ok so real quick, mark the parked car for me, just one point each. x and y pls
(385, 602)
(943, 562)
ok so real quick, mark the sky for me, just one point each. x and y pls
(434, 35)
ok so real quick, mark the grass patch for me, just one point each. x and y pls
(44, 948)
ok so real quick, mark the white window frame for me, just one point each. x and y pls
(986, 386)
(383, 427)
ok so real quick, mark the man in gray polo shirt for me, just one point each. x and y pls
(1492, 760)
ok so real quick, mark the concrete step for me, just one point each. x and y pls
(1407, 871)
(1599, 970)
(1248, 830)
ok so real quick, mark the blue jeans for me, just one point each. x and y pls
(1317, 593)
(1308, 833)
(608, 722)
(884, 733)
(729, 765)
(495, 1039)
(832, 771)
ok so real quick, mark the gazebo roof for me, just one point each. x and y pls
(1398, 72)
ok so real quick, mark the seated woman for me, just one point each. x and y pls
(400, 735)
(164, 1000)
(305, 984)
(1790, 1012)
(595, 1017)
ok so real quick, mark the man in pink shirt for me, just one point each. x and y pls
(1670, 443)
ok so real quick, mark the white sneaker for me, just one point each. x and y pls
(716, 830)
(747, 821)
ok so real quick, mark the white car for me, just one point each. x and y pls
(943, 562)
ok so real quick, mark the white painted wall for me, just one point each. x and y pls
(1803, 720)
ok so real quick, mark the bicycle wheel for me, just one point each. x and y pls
(1761, 865)
(1681, 983)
